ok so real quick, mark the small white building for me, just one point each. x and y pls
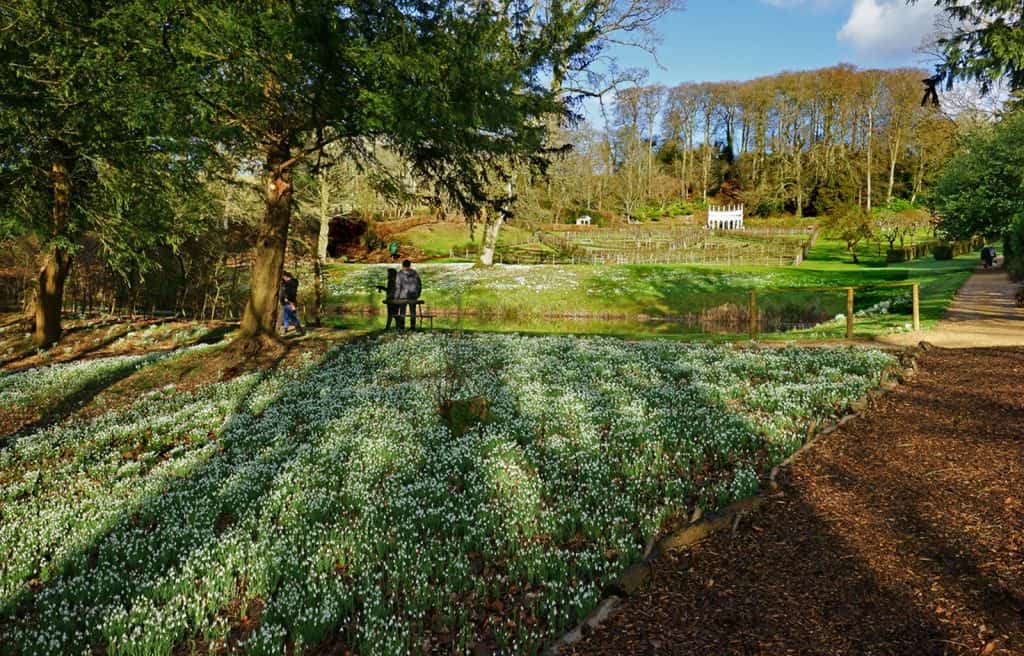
(583, 220)
(725, 217)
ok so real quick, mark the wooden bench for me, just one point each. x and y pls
(420, 313)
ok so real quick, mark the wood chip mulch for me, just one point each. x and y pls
(900, 533)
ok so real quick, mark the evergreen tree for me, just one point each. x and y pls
(981, 189)
(452, 86)
(987, 43)
(84, 138)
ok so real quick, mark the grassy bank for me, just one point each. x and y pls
(515, 294)
(442, 240)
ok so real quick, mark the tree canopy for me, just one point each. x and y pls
(108, 107)
(85, 139)
(981, 189)
(453, 87)
(987, 43)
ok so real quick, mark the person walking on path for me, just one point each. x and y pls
(407, 288)
(289, 299)
(393, 249)
(988, 256)
(389, 295)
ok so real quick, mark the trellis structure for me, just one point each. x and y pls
(725, 217)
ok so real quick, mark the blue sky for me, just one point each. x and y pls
(714, 40)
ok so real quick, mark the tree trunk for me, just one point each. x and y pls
(691, 167)
(491, 229)
(50, 296)
(707, 154)
(56, 264)
(871, 127)
(260, 316)
(650, 164)
(321, 250)
(918, 178)
(705, 172)
(682, 172)
(894, 153)
(799, 185)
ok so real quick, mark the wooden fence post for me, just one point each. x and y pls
(849, 313)
(917, 305)
(753, 314)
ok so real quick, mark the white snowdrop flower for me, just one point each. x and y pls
(336, 495)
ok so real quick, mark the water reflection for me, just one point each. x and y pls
(720, 321)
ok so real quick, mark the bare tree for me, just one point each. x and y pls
(629, 23)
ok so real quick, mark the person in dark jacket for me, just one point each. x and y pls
(988, 256)
(289, 299)
(407, 288)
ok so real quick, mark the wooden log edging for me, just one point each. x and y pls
(637, 575)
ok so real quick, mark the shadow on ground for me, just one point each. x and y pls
(902, 533)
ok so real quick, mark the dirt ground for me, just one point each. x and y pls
(88, 338)
(900, 533)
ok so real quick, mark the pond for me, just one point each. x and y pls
(724, 321)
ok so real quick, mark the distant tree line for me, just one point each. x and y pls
(802, 143)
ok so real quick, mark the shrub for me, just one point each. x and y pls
(676, 207)
(903, 304)
(372, 241)
(682, 208)
(909, 252)
(766, 208)
(1013, 249)
(897, 205)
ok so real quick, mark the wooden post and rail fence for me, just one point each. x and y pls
(915, 299)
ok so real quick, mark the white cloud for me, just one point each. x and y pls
(887, 27)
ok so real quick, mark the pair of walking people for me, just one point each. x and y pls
(405, 287)
(988, 256)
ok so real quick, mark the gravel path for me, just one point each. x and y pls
(900, 533)
(982, 314)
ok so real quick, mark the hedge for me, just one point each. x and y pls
(942, 250)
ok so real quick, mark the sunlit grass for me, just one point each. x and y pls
(543, 298)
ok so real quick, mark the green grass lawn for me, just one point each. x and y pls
(940, 280)
(441, 240)
(531, 298)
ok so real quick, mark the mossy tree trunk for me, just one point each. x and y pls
(261, 312)
(320, 265)
(56, 264)
(490, 244)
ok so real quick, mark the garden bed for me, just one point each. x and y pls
(341, 503)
